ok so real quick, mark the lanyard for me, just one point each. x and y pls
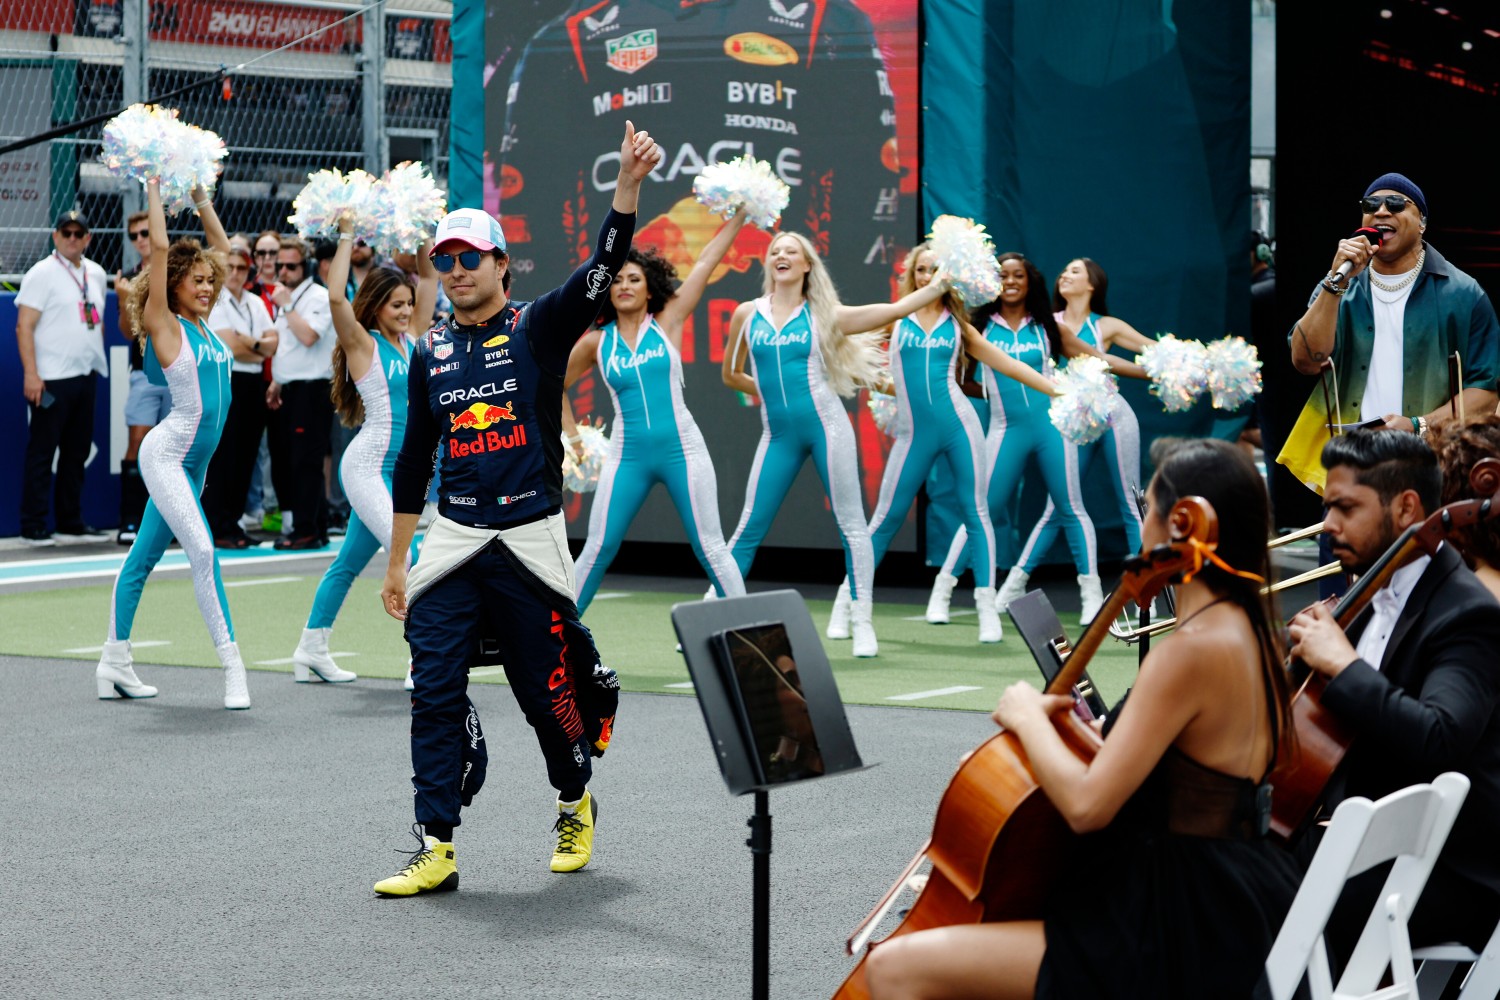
(83, 286)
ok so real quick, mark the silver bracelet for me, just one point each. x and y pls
(203, 204)
(1332, 285)
(346, 237)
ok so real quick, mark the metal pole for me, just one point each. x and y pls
(377, 144)
(760, 850)
(136, 83)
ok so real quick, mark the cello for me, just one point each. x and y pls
(1298, 782)
(993, 805)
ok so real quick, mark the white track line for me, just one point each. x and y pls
(486, 671)
(937, 693)
(612, 595)
(959, 613)
(685, 685)
(258, 581)
(134, 645)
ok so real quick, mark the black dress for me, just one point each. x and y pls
(1181, 896)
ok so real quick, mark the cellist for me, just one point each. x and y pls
(1416, 680)
(1174, 805)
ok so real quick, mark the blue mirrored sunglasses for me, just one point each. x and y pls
(469, 259)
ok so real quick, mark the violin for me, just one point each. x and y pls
(1299, 780)
(993, 805)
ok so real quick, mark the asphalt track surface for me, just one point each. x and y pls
(169, 848)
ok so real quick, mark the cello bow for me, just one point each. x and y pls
(993, 805)
(1298, 782)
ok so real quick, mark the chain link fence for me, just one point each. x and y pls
(290, 87)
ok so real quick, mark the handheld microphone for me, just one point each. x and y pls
(1371, 234)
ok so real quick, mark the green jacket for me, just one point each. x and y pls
(1447, 312)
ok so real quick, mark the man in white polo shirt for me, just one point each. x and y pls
(60, 334)
(301, 373)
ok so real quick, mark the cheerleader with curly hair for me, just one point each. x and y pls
(637, 345)
(169, 305)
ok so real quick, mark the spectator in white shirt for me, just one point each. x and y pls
(60, 335)
(241, 320)
(302, 409)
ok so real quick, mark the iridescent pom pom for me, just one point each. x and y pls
(146, 141)
(1178, 370)
(1088, 398)
(743, 182)
(883, 409)
(1233, 372)
(581, 475)
(967, 255)
(404, 208)
(327, 196)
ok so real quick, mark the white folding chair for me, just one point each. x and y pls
(1409, 826)
(1482, 981)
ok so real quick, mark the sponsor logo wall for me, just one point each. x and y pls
(823, 90)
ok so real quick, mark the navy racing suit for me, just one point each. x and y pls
(487, 399)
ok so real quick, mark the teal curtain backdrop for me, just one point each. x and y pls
(1111, 129)
(466, 129)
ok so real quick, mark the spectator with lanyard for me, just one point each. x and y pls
(485, 394)
(60, 335)
(299, 396)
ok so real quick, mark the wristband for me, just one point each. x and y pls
(1419, 426)
(203, 204)
(346, 237)
(1331, 284)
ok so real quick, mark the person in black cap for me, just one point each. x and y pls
(60, 335)
(1392, 321)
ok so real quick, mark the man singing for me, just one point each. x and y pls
(485, 390)
(1388, 326)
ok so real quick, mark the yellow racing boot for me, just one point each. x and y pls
(431, 869)
(575, 833)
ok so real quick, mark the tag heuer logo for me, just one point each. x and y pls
(629, 53)
(441, 351)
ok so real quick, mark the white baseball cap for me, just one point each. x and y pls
(472, 226)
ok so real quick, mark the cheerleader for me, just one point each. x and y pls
(804, 352)
(369, 392)
(1080, 298)
(1020, 323)
(169, 304)
(934, 420)
(637, 345)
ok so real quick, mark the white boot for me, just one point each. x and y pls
(942, 594)
(236, 691)
(865, 643)
(115, 675)
(1090, 596)
(838, 622)
(311, 661)
(989, 617)
(1013, 587)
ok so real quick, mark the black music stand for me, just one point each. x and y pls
(737, 724)
(1043, 633)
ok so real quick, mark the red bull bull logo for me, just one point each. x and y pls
(480, 416)
(681, 234)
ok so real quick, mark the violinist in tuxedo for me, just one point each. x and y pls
(1416, 681)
